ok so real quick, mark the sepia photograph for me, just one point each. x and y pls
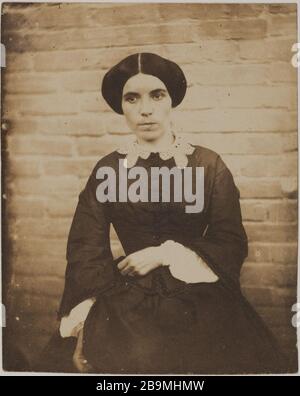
(149, 156)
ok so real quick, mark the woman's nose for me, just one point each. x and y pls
(146, 108)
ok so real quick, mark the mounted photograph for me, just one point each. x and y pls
(149, 188)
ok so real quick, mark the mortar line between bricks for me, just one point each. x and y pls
(160, 23)
(109, 46)
(85, 93)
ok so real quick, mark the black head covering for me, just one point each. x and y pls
(167, 71)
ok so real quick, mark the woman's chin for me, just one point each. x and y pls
(149, 135)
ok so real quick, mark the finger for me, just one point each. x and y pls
(133, 273)
(145, 269)
(77, 360)
(123, 263)
(82, 365)
(133, 269)
(127, 270)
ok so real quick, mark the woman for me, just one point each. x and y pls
(173, 303)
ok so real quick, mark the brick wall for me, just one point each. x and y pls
(241, 102)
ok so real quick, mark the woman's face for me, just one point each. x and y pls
(146, 106)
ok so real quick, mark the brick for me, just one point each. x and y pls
(35, 145)
(282, 72)
(77, 167)
(281, 8)
(103, 58)
(101, 146)
(234, 29)
(248, 143)
(269, 211)
(91, 102)
(139, 14)
(271, 232)
(286, 211)
(280, 49)
(47, 286)
(269, 275)
(39, 247)
(30, 327)
(115, 124)
(205, 50)
(77, 60)
(19, 61)
(254, 50)
(259, 187)
(244, 97)
(47, 186)
(55, 104)
(13, 20)
(253, 211)
(225, 74)
(103, 37)
(81, 81)
(176, 13)
(283, 25)
(262, 166)
(270, 296)
(77, 125)
(273, 252)
(30, 83)
(40, 266)
(61, 207)
(253, 187)
(35, 304)
(133, 35)
(65, 16)
(289, 186)
(23, 167)
(42, 228)
(70, 15)
(26, 207)
(235, 120)
(276, 316)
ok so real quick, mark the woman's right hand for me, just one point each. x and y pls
(141, 262)
(79, 360)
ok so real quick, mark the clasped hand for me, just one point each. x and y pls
(142, 262)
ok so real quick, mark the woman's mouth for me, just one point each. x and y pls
(147, 123)
(147, 126)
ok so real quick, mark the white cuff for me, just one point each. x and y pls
(70, 325)
(185, 264)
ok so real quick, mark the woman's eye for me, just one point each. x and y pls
(157, 96)
(131, 99)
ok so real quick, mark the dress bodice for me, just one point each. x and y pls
(215, 233)
(142, 224)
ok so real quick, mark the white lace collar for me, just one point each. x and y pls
(179, 150)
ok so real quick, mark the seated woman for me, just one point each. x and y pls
(173, 303)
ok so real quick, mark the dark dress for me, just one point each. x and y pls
(157, 323)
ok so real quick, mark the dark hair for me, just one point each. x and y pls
(167, 71)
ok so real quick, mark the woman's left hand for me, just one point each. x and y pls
(79, 360)
(142, 262)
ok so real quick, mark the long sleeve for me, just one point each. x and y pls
(71, 324)
(224, 246)
(89, 258)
